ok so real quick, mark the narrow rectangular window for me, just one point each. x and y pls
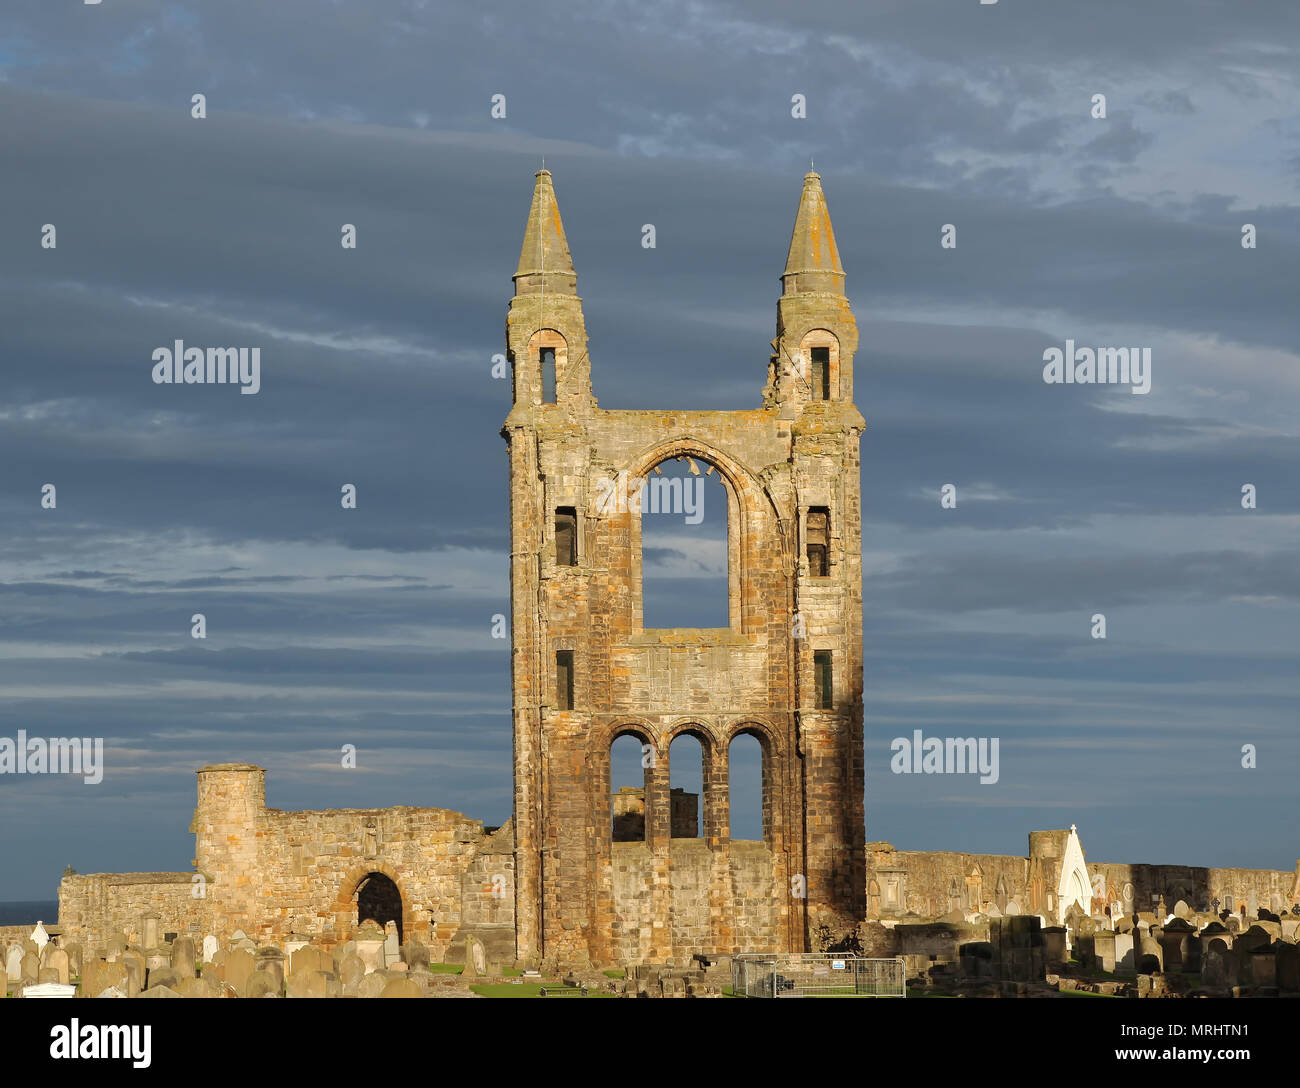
(817, 533)
(821, 374)
(563, 679)
(548, 375)
(566, 537)
(822, 669)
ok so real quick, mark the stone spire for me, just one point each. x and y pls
(813, 263)
(544, 261)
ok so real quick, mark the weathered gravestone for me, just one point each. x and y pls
(150, 933)
(402, 987)
(372, 985)
(271, 960)
(475, 958)
(1148, 956)
(261, 983)
(1103, 949)
(14, 963)
(136, 971)
(304, 982)
(183, 958)
(306, 958)
(164, 976)
(370, 947)
(1263, 967)
(1213, 970)
(100, 975)
(207, 986)
(414, 954)
(237, 968)
(351, 971)
(75, 956)
(48, 989)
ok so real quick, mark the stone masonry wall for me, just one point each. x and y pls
(933, 883)
(273, 873)
(93, 908)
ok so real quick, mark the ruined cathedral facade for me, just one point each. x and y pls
(787, 669)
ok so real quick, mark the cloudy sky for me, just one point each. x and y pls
(372, 627)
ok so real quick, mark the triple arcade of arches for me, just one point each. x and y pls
(698, 745)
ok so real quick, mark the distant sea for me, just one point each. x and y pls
(29, 912)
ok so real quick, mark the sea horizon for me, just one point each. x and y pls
(20, 912)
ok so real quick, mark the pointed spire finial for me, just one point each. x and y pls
(813, 263)
(544, 260)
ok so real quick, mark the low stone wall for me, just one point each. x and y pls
(96, 907)
(1236, 890)
(18, 934)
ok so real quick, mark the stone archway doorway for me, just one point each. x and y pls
(378, 898)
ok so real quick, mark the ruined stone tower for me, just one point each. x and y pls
(786, 670)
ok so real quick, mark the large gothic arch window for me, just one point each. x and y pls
(683, 508)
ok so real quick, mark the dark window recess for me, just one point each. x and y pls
(566, 537)
(822, 669)
(563, 679)
(821, 374)
(548, 375)
(817, 532)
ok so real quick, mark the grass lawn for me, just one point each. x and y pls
(523, 989)
(458, 968)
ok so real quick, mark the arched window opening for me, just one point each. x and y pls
(749, 789)
(628, 778)
(547, 357)
(820, 352)
(686, 786)
(684, 546)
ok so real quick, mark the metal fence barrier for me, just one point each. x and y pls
(816, 974)
(562, 991)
